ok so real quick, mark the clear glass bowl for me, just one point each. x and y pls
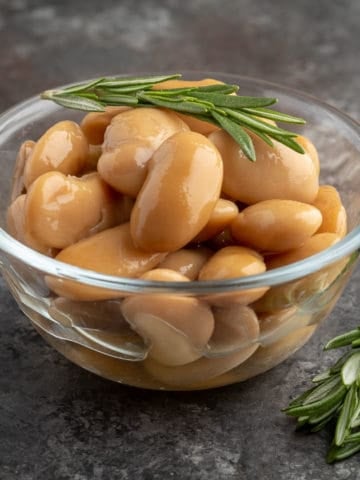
(96, 334)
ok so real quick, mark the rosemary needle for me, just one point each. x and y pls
(334, 400)
(238, 115)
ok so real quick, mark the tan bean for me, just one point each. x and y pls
(112, 252)
(61, 210)
(305, 289)
(179, 193)
(199, 126)
(125, 168)
(236, 327)
(18, 185)
(94, 124)
(15, 220)
(62, 148)
(199, 372)
(276, 225)
(176, 328)
(223, 214)
(311, 246)
(187, 261)
(328, 201)
(309, 148)
(130, 141)
(275, 325)
(278, 172)
(232, 262)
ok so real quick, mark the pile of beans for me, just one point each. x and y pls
(149, 194)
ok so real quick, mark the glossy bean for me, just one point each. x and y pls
(328, 201)
(233, 262)
(307, 289)
(94, 124)
(179, 194)
(196, 125)
(130, 141)
(278, 172)
(276, 225)
(62, 148)
(198, 372)
(61, 210)
(223, 214)
(15, 221)
(112, 252)
(309, 148)
(176, 328)
(236, 327)
(187, 261)
(18, 185)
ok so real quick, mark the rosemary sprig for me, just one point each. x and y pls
(334, 400)
(238, 115)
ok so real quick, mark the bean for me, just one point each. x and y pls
(328, 201)
(15, 220)
(200, 371)
(276, 225)
(94, 124)
(309, 147)
(275, 325)
(112, 252)
(278, 172)
(236, 327)
(18, 186)
(199, 126)
(187, 261)
(311, 246)
(61, 210)
(130, 141)
(62, 148)
(308, 288)
(223, 214)
(233, 262)
(179, 194)
(176, 328)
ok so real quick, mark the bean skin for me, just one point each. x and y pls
(328, 201)
(176, 328)
(278, 172)
(276, 225)
(130, 141)
(179, 194)
(61, 210)
(63, 148)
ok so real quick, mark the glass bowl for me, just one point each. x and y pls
(95, 333)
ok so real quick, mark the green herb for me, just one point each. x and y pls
(238, 115)
(335, 400)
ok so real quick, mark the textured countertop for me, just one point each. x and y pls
(60, 422)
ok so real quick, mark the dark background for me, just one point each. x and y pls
(60, 422)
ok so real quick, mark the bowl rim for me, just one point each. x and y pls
(50, 266)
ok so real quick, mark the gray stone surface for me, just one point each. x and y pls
(60, 422)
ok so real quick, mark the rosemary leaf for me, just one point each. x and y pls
(245, 119)
(212, 103)
(343, 340)
(234, 101)
(238, 134)
(75, 102)
(344, 420)
(274, 115)
(126, 81)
